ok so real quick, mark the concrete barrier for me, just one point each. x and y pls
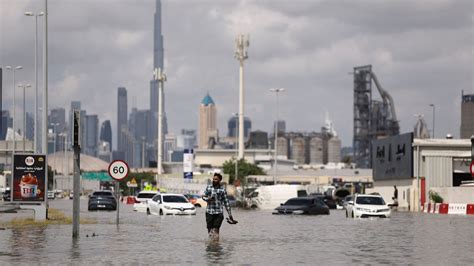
(449, 208)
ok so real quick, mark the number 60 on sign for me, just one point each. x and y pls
(118, 170)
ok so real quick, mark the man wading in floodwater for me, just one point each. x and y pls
(216, 197)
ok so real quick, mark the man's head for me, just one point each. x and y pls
(216, 179)
(395, 187)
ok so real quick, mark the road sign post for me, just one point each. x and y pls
(118, 170)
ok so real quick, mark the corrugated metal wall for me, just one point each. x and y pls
(438, 171)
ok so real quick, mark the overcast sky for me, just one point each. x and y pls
(422, 52)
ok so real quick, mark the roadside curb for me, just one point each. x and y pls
(449, 208)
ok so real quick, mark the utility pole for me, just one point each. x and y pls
(77, 175)
(241, 46)
(160, 76)
(275, 158)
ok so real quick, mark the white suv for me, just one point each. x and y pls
(364, 206)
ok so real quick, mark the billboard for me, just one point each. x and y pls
(29, 178)
(188, 161)
(392, 157)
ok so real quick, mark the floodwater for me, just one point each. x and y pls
(259, 238)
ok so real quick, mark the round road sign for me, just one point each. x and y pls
(472, 169)
(118, 170)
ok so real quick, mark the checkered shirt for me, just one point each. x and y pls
(216, 206)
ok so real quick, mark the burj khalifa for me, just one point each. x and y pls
(158, 62)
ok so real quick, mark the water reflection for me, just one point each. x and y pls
(75, 249)
(214, 251)
(27, 242)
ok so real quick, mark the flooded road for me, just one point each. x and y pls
(258, 238)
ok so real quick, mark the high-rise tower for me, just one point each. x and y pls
(207, 122)
(122, 116)
(467, 116)
(158, 62)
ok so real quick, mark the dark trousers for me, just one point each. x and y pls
(214, 221)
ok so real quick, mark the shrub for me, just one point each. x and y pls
(435, 197)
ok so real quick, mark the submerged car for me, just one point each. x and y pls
(141, 200)
(303, 205)
(170, 204)
(102, 200)
(328, 200)
(364, 206)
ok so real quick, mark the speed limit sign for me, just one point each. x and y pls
(118, 170)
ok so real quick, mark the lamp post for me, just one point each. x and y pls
(13, 69)
(24, 113)
(241, 45)
(432, 105)
(160, 76)
(275, 164)
(236, 115)
(36, 128)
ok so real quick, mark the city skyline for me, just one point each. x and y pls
(422, 56)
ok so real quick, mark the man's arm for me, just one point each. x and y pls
(207, 192)
(226, 204)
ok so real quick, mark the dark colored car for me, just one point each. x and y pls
(102, 200)
(303, 205)
(328, 200)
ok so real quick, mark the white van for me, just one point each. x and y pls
(270, 197)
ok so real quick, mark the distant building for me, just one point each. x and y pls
(122, 115)
(233, 127)
(281, 126)
(30, 126)
(207, 123)
(169, 145)
(158, 62)
(90, 147)
(467, 116)
(258, 140)
(106, 133)
(5, 123)
(57, 117)
(187, 139)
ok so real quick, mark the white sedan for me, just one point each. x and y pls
(170, 204)
(141, 200)
(364, 206)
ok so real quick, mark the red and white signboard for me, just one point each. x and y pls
(118, 170)
(471, 168)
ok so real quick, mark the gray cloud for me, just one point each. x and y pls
(421, 51)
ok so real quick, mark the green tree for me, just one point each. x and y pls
(244, 169)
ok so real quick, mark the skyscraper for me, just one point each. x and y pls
(30, 126)
(467, 116)
(106, 132)
(5, 123)
(122, 115)
(90, 147)
(233, 126)
(207, 122)
(57, 117)
(158, 62)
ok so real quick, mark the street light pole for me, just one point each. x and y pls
(275, 159)
(160, 76)
(24, 114)
(236, 115)
(432, 105)
(36, 128)
(242, 45)
(13, 69)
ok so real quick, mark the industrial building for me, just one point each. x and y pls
(417, 166)
(467, 116)
(373, 118)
